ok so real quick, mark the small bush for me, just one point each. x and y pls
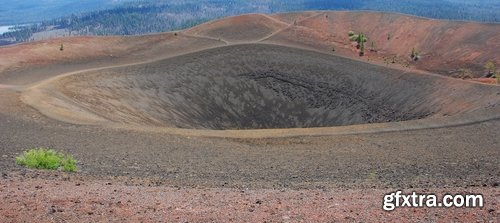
(415, 55)
(41, 158)
(490, 67)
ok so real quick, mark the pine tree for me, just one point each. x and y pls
(372, 47)
(414, 54)
(362, 45)
(360, 39)
(490, 67)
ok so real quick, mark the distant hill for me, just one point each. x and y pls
(54, 18)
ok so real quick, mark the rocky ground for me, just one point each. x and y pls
(71, 198)
(137, 174)
(177, 178)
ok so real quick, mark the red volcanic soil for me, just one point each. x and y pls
(31, 62)
(245, 28)
(444, 46)
(485, 80)
(76, 200)
(48, 51)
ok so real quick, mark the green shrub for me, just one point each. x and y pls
(41, 158)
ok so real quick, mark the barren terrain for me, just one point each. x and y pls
(253, 118)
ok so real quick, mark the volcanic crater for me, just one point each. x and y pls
(159, 115)
(261, 86)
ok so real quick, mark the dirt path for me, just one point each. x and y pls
(283, 29)
(206, 37)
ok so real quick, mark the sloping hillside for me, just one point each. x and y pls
(245, 28)
(444, 46)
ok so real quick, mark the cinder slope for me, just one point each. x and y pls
(237, 29)
(48, 51)
(32, 62)
(445, 46)
(28, 64)
(258, 86)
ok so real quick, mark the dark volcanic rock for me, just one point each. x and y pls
(259, 86)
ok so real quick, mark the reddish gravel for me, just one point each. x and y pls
(26, 199)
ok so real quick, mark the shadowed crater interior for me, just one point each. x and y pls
(259, 86)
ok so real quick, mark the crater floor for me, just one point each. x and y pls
(260, 86)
